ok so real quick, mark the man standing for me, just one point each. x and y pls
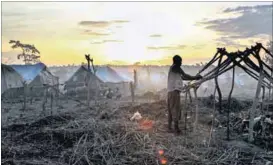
(175, 85)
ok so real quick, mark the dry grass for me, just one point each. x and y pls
(106, 136)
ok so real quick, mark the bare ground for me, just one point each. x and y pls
(73, 134)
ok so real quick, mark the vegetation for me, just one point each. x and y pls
(28, 52)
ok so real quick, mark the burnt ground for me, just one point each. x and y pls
(104, 134)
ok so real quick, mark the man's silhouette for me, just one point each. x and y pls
(175, 85)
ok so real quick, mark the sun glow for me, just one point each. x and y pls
(149, 32)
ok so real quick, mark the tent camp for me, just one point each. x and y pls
(105, 77)
(64, 73)
(113, 80)
(79, 79)
(10, 78)
(76, 85)
(36, 75)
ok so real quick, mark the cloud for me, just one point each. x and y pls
(167, 47)
(105, 41)
(246, 8)
(94, 23)
(101, 24)
(120, 21)
(200, 46)
(227, 42)
(155, 35)
(92, 33)
(253, 21)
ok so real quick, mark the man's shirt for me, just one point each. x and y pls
(175, 78)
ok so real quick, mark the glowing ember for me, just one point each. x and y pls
(160, 152)
(163, 161)
(146, 124)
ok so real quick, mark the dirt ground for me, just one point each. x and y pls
(105, 135)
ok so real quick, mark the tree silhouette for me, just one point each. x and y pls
(28, 52)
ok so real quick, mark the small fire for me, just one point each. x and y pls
(163, 161)
(160, 152)
(146, 124)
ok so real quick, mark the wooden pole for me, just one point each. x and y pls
(217, 85)
(132, 92)
(229, 102)
(51, 101)
(255, 102)
(270, 88)
(190, 97)
(253, 108)
(213, 117)
(135, 78)
(88, 90)
(25, 95)
(185, 111)
(262, 103)
(31, 95)
(57, 91)
(44, 100)
(196, 109)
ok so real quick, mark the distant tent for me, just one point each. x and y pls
(79, 78)
(10, 78)
(109, 75)
(104, 77)
(64, 73)
(126, 73)
(35, 75)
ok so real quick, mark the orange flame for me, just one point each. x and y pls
(160, 152)
(146, 124)
(163, 161)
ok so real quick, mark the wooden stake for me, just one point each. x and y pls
(57, 92)
(213, 117)
(132, 92)
(229, 101)
(44, 100)
(185, 112)
(262, 103)
(88, 90)
(51, 101)
(217, 86)
(253, 108)
(196, 109)
(25, 95)
(270, 88)
(31, 95)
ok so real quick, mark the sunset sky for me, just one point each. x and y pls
(129, 32)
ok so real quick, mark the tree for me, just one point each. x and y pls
(28, 52)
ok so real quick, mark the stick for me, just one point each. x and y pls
(51, 102)
(213, 117)
(88, 91)
(44, 99)
(185, 110)
(196, 109)
(262, 103)
(218, 88)
(25, 95)
(229, 100)
(253, 108)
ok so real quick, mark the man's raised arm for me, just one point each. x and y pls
(184, 75)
